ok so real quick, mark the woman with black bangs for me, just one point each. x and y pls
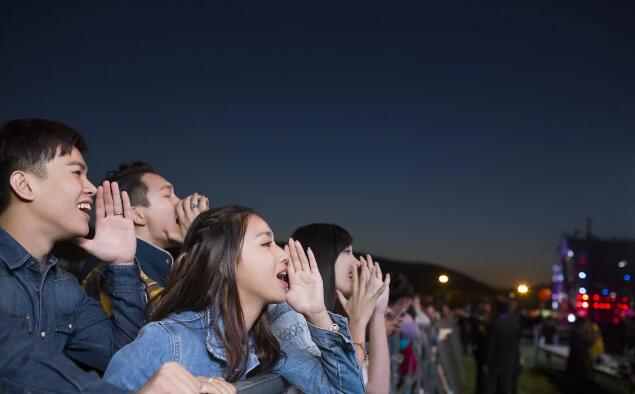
(212, 317)
(362, 296)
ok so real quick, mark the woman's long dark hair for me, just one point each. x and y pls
(204, 278)
(326, 241)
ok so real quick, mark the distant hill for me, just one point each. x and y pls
(424, 277)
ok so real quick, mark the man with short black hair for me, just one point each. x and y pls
(46, 197)
(161, 220)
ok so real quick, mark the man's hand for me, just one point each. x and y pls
(187, 210)
(216, 385)
(172, 378)
(115, 241)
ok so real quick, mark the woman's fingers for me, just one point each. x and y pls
(342, 299)
(293, 254)
(378, 273)
(312, 262)
(355, 281)
(290, 266)
(304, 262)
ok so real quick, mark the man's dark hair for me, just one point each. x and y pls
(128, 176)
(28, 144)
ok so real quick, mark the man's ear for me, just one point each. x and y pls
(23, 185)
(137, 217)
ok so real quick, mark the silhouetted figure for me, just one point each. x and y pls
(478, 331)
(502, 351)
(549, 331)
(579, 364)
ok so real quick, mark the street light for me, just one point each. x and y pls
(522, 288)
(443, 279)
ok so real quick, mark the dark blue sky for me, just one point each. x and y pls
(470, 134)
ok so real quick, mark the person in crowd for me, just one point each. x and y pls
(597, 347)
(399, 304)
(478, 330)
(212, 316)
(579, 362)
(362, 296)
(400, 300)
(45, 197)
(161, 220)
(421, 318)
(549, 330)
(502, 351)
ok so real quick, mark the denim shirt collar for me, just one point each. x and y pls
(154, 261)
(14, 255)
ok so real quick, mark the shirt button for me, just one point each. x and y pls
(43, 334)
(70, 325)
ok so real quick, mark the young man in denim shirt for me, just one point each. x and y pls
(26, 365)
(46, 197)
(161, 220)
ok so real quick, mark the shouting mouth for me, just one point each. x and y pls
(283, 277)
(85, 207)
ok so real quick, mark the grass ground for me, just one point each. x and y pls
(540, 376)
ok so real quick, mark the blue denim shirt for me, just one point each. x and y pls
(28, 366)
(47, 302)
(186, 338)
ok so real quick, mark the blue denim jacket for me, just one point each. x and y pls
(48, 303)
(186, 338)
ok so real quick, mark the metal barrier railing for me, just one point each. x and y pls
(434, 373)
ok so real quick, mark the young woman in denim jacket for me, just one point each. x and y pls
(363, 297)
(212, 317)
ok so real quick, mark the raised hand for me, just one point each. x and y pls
(115, 241)
(306, 292)
(187, 209)
(376, 277)
(360, 305)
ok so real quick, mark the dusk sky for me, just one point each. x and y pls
(470, 134)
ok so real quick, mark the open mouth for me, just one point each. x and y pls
(283, 276)
(84, 207)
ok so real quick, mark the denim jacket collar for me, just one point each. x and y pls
(14, 255)
(213, 343)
